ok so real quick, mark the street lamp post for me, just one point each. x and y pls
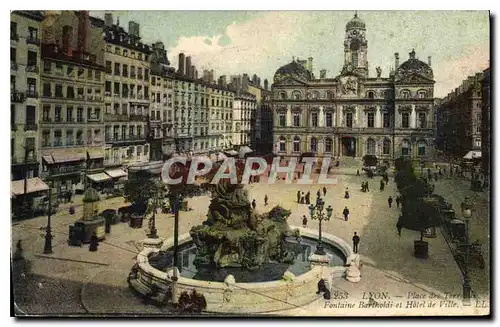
(47, 249)
(316, 212)
(467, 213)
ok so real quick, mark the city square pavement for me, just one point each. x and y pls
(73, 280)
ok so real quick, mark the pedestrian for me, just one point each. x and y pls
(94, 243)
(308, 198)
(357, 172)
(298, 196)
(321, 286)
(302, 198)
(304, 221)
(355, 242)
(399, 226)
(398, 200)
(318, 194)
(389, 200)
(435, 177)
(363, 189)
(346, 195)
(440, 173)
(254, 204)
(346, 214)
(265, 200)
(107, 226)
(367, 187)
(382, 185)
(324, 191)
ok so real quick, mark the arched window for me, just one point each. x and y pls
(296, 95)
(405, 148)
(370, 94)
(315, 95)
(296, 144)
(314, 145)
(421, 147)
(405, 94)
(370, 146)
(354, 59)
(328, 145)
(422, 94)
(282, 144)
(329, 95)
(386, 146)
(282, 95)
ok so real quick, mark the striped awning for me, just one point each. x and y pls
(116, 173)
(99, 177)
(33, 185)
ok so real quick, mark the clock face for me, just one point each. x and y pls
(355, 44)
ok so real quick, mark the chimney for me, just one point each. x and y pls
(117, 21)
(258, 81)
(211, 76)
(83, 31)
(254, 79)
(188, 65)
(266, 84)
(133, 28)
(195, 73)
(244, 82)
(191, 71)
(429, 61)
(182, 63)
(396, 60)
(67, 40)
(206, 75)
(322, 73)
(310, 64)
(108, 19)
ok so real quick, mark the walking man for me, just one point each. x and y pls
(355, 242)
(324, 191)
(304, 221)
(367, 187)
(302, 198)
(346, 195)
(399, 226)
(346, 214)
(357, 172)
(265, 200)
(389, 200)
(382, 185)
(298, 196)
(308, 198)
(318, 194)
(398, 200)
(254, 204)
(94, 243)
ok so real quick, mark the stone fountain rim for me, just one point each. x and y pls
(344, 247)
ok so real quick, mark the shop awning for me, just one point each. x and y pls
(48, 159)
(99, 177)
(231, 152)
(68, 158)
(34, 185)
(475, 154)
(116, 173)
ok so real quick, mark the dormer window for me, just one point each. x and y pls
(405, 94)
(282, 95)
(370, 94)
(422, 94)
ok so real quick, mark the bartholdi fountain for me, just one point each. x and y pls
(242, 261)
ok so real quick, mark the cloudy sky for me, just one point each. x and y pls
(234, 42)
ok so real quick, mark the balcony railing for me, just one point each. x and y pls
(30, 127)
(18, 97)
(65, 170)
(94, 119)
(124, 138)
(33, 40)
(32, 94)
(32, 69)
(137, 118)
(115, 117)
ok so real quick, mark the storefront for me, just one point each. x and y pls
(118, 178)
(28, 195)
(100, 181)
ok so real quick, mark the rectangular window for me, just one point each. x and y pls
(12, 83)
(30, 115)
(387, 120)
(422, 120)
(89, 73)
(70, 70)
(13, 30)
(70, 92)
(314, 119)
(69, 137)
(13, 54)
(79, 115)
(117, 69)
(107, 88)
(108, 67)
(32, 60)
(59, 91)
(282, 119)
(46, 112)
(371, 119)
(349, 119)
(81, 72)
(69, 114)
(47, 66)
(139, 73)
(329, 119)
(146, 74)
(12, 114)
(125, 70)
(58, 114)
(132, 71)
(116, 89)
(31, 86)
(405, 117)
(296, 119)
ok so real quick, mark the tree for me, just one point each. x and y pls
(370, 160)
(138, 190)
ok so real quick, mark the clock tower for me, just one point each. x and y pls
(355, 48)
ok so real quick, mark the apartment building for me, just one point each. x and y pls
(243, 121)
(161, 131)
(71, 115)
(24, 93)
(126, 94)
(221, 102)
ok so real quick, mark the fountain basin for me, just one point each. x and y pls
(247, 297)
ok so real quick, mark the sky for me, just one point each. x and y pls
(236, 42)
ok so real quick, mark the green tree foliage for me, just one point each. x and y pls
(138, 190)
(420, 210)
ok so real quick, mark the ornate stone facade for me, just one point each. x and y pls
(352, 114)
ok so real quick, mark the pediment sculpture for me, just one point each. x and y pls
(350, 86)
